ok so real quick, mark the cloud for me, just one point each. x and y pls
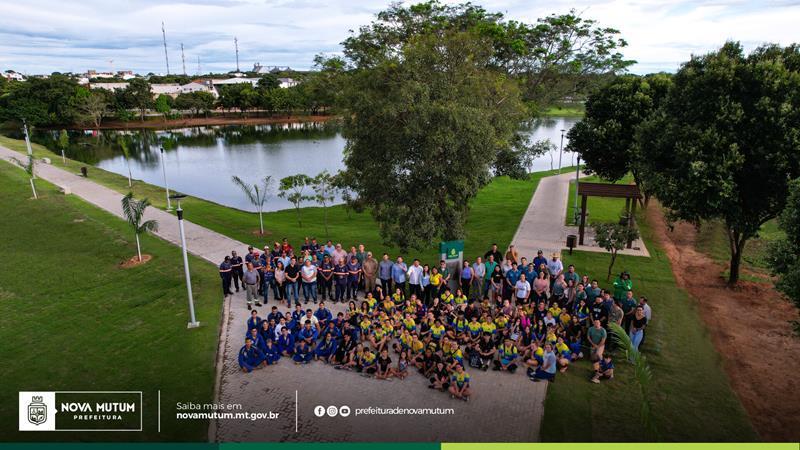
(41, 36)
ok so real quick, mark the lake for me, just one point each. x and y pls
(202, 160)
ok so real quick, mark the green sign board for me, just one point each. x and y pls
(451, 249)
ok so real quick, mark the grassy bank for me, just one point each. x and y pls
(72, 319)
(494, 213)
(565, 110)
(712, 239)
(692, 398)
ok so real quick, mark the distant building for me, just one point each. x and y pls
(11, 75)
(91, 73)
(259, 69)
(171, 89)
(252, 81)
(200, 86)
(108, 86)
(287, 82)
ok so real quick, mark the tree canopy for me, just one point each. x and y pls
(606, 136)
(784, 254)
(724, 144)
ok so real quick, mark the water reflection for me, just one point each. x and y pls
(200, 161)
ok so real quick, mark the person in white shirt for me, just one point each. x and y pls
(415, 278)
(309, 274)
(555, 267)
(522, 289)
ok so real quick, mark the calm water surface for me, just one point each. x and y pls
(202, 160)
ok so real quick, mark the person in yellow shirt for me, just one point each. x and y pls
(379, 338)
(460, 299)
(437, 330)
(563, 355)
(447, 297)
(488, 326)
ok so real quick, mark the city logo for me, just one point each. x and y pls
(37, 410)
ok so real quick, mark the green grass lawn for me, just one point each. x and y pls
(692, 398)
(712, 240)
(600, 209)
(72, 319)
(565, 110)
(494, 214)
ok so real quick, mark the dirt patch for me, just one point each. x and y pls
(258, 232)
(134, 261)
(749, 326)
(206, 121)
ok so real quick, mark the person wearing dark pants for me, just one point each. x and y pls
(353, 278)
(340, 276)
(325, 278)
(385, 273)
(236, 270)
(225, 274)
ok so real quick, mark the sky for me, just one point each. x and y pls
(42, 36)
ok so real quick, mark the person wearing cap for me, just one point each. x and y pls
(236, 269)
(538, 261)
(251, 280)
(225, 275)
(325, 278)
(353, 278)
(622, 285)
(249, 256)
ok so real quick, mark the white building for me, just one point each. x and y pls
(108, 86)
(199, 86)
(171, 89)
(252, 81)
(287, 82)
(11, 75)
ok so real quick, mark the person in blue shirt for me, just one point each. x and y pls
(323, 314)
(271, 353)
(325, 278)
(353, 278)
(340, 277)
(250, 357)
(254, 321)
(512, 276)
(303, 353)
(399, 270)
(331, 328)
(603, 369)
(265, 331)
(285, 343)
(274, 315)
(326, 348)
(308, 334)
(538, 261)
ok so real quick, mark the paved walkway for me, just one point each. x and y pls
(542, 227)
(504, 407)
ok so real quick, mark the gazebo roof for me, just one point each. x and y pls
(609, 190)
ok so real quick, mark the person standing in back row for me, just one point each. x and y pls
(225, 275)
(237, 271)
(385, 273)
(498, 257)
(251, 281)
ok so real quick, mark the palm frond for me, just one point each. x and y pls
(27, 166)
(150, 225)
(248, 189)
(129, 209)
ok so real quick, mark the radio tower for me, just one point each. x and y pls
(198, 64)
(164, 36)
(183, 59)
(236, 44)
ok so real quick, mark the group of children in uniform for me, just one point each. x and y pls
(392, 335)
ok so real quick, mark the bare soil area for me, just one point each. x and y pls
(750, 327)
(134, 261)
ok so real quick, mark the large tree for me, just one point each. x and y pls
(606, 136)
(724, 144)
(423, 129)
(139, 95)
(557, 56)
(784, 254)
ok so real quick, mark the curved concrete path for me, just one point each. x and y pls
(542, 227)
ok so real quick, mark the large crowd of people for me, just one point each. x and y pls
(501, 312)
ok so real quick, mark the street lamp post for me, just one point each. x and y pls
(27, 141)
(166, 185)
(193, 323)
(561, 151)
(577, 178)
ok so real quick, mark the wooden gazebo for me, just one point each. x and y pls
(630, 192)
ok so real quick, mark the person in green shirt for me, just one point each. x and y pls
(487, 276)
(622, 285)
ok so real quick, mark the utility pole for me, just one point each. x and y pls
(164, 37)
(183, 59)
(198, 64)
(236, 44)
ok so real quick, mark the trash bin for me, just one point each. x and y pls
(85, 172)
(572, 241)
